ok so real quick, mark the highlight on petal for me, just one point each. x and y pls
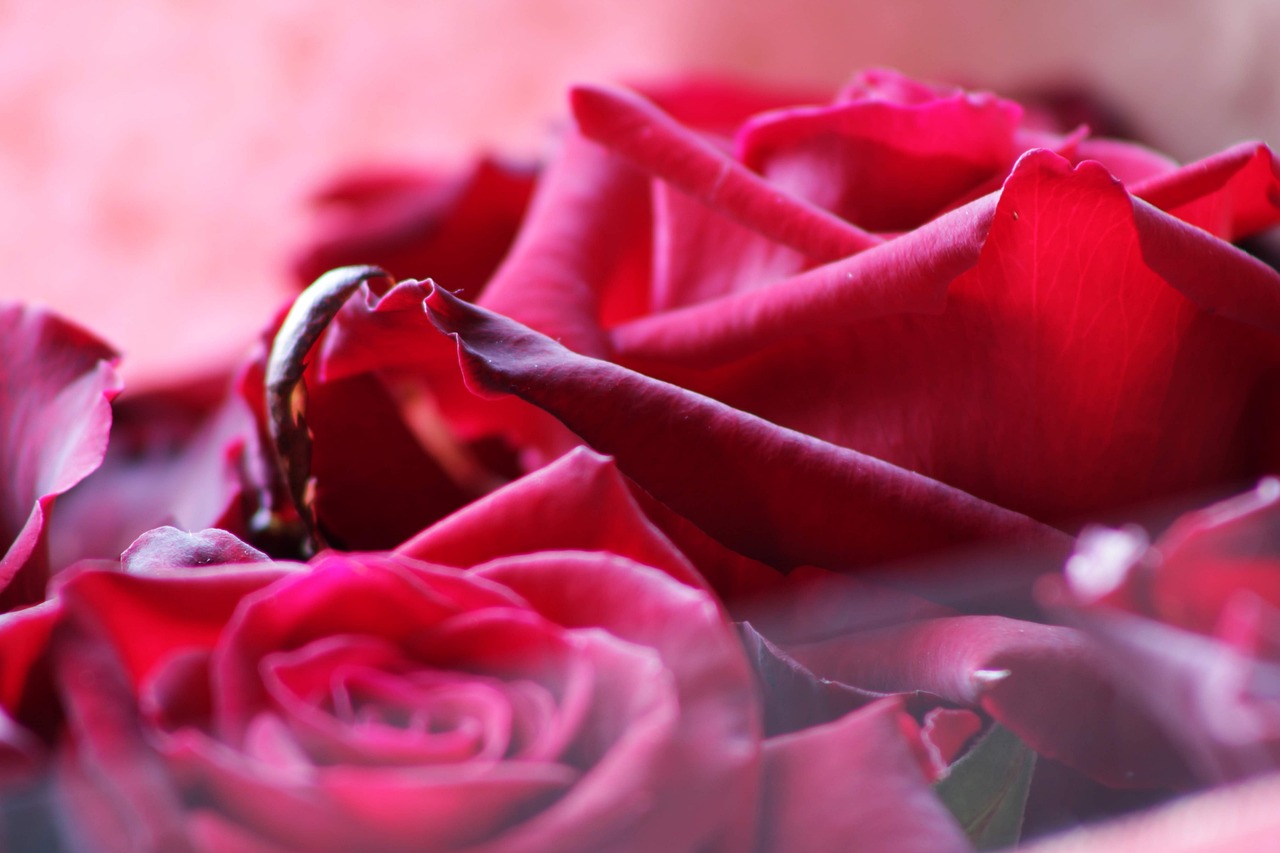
(170, 548)
(56, 385)
(767, 492)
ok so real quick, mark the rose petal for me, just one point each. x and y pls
(115, 767)
(544, 511)
(799, 501)
(945, 733)
(582, 252)
(883, 165)
(1048, 684)
(183, 610)
(1232, 194)
(56, 384)
(170, 548)
(642, 133)
(381, 596)
(909, 274)
(711, 744)
(454, 228)
(855, 782)
(1117, 338)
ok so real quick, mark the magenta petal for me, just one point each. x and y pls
(708, 744)
(767, 492)
(636, 129)
(56, 384)
(855, 784)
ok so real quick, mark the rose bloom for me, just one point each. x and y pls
(976, 324)
(814, 341)
(509, 680)
(833, 336)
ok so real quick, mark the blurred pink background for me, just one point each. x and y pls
(155, 155)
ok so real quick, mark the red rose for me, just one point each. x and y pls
(880, 328)
(894, 274)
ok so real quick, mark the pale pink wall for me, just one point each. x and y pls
(154, 153)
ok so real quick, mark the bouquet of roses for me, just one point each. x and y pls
(747, 476)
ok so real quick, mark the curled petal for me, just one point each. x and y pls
(767, 492)
(56, 385)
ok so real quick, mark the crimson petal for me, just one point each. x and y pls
(767, 492)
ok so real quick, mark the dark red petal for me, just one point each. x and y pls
(376, 485)
(639, 131)
(391, 335)
(765, 491)
(856, 782)
(56, 384)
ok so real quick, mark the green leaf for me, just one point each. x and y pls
(987, 789)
